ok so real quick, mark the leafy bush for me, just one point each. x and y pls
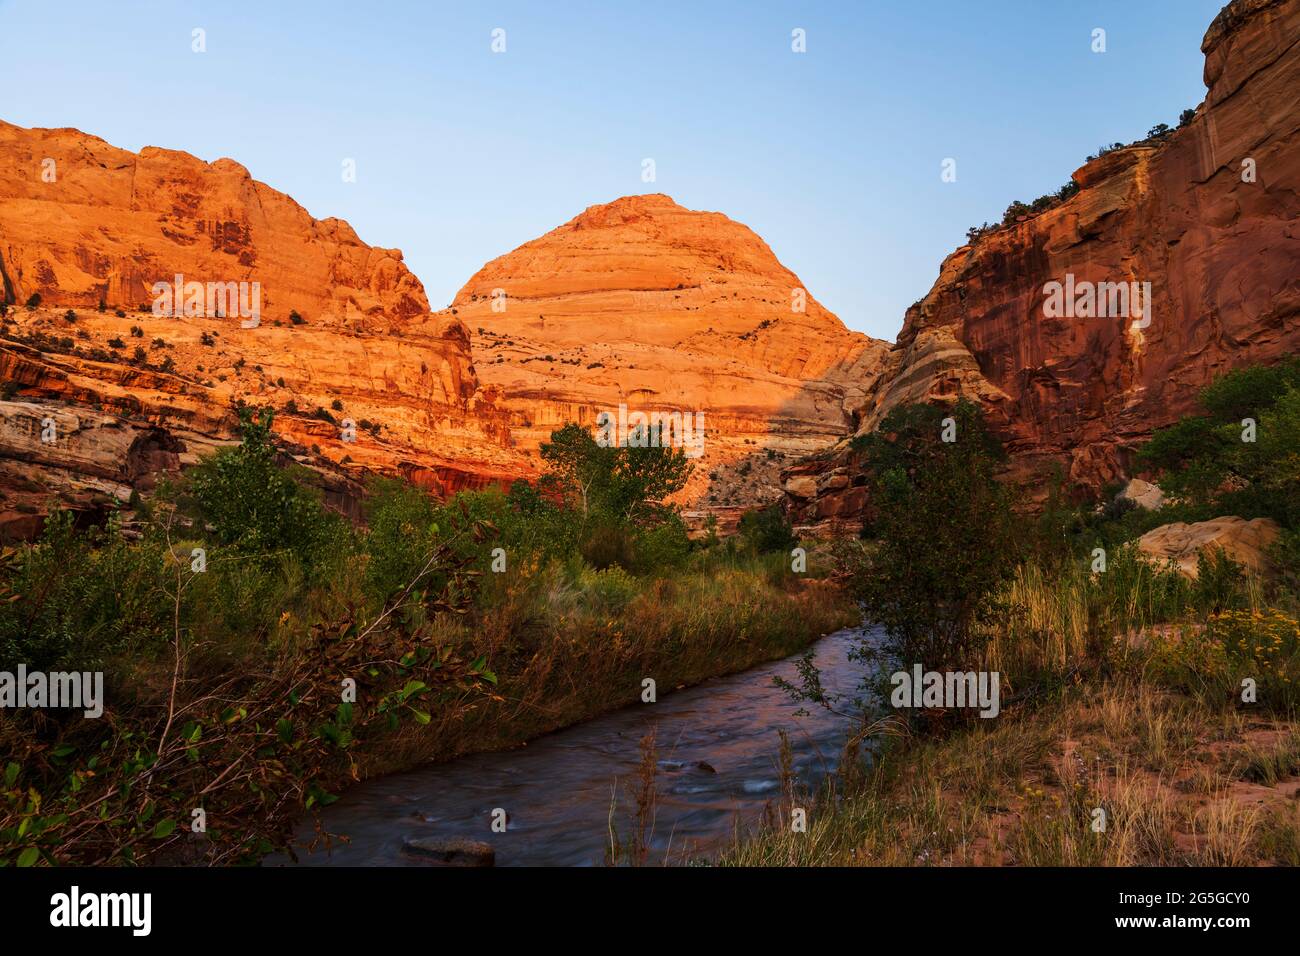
(942, 527)
(616, 482)
(76, 599)
(607, 544)
(662, 546)
(1206, 460)
(612, 589)
(253, 504)
(767, 529)
(1220, 581)
(1212, 661)
(402, 526)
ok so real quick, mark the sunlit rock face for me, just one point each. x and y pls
(644, 303)
(1208, 216)
(341, 327)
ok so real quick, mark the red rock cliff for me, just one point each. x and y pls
(1218, 247)
(84, 223)
(645, 303)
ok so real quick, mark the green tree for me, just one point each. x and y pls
(1207, 459)
(943, 531)
(253, 504)
(629, 482)
(767, 529)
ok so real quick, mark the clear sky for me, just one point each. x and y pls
(833, 156)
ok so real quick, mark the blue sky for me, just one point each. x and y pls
(833, 156)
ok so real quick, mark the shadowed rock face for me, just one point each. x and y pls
(645, 303)
(1222, 256)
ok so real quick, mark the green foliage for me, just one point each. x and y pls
(1220, 582)
(625, 482)
(767, 529)
(1245, 392)
(256, 506)
(613, 498)
(607, 544)
(611, 589)
(662, 546)
(76, 599)
(1206, 461)
(402, 527)
(1212, 661)
(942, 525)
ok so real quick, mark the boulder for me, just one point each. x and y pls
(452, 851)
(1143, 494)
(801, 486)
(1246, 542)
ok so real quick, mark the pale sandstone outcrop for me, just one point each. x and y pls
(1143, 494)
(1246, 542)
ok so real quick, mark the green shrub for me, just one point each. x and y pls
(943, 530)
(607, 544)
(402, 527)
(77, 599)
(663, 546)
(1220, 582)
(767, 529)
(257, 506)
(610, 590)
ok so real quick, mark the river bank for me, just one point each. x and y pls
(1121, 774)
(567, 645)
(718, 755)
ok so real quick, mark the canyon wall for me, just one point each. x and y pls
(1207, 214)
(344, 332)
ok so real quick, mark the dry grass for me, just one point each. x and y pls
(1028, 791)
(567, 645)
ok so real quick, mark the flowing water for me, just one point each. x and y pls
(718, 766)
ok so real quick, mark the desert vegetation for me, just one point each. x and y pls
(1018, 210)
(260, 651)
(1147, 718)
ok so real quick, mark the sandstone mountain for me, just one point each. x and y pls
(643, 303)
(86, 229)
(638, 302)
(1208, 214)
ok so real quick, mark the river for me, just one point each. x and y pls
(718, 766)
